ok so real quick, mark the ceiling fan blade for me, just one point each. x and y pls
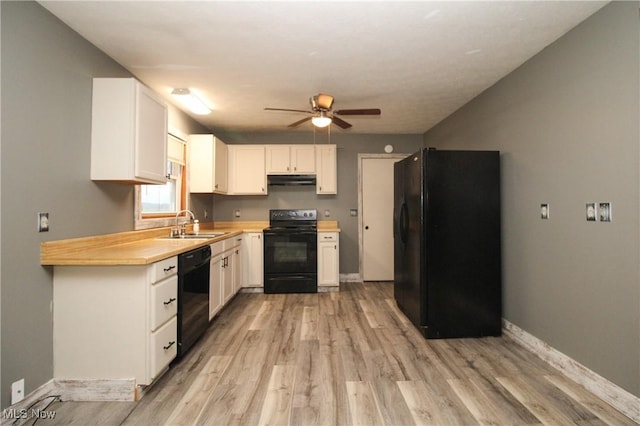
(290, 110)
(340, 122)
(299, 122)
(368, 111)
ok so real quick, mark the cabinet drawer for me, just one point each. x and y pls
(218, 248)
(327, 237)
(164, 344)
(164, 303)
(233, 242)
(162, 269)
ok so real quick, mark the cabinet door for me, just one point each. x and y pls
(151, 136)
(253, 260)
(328, 259)
(220, 181)
(201, 167)
(303, 159)
(215, 286)
(247, 170)
(326, 169)
(237, 269)
(278, 159)
(207, 164)
(227, 279)
(128, 132)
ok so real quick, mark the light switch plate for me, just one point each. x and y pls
(592, 212)
(544, 211)
(43, 222)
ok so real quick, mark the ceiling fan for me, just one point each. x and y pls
(321, 114)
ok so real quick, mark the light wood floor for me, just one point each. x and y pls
(347, 358)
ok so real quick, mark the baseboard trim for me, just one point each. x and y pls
(623, 401)
(96, 389)
(350, 278)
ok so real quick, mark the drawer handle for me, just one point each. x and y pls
(170, 301)
(169, 268)
(166, 348)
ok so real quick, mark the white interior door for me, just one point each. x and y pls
(377, 218)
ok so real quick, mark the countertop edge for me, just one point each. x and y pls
(142, 247)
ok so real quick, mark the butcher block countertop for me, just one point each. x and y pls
(143, 247)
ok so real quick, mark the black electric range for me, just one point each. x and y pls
(291, 251)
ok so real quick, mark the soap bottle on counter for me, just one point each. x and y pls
(196, 226)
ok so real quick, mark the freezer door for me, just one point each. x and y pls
(408, 260)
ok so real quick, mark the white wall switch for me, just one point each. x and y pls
(544, 211)
(592, 212)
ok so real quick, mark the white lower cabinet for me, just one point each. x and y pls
(215, 283)
(227, 277)
(222, 282)
(114, 322)
(253, 259)
(328, 259)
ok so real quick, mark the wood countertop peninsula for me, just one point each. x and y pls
(145, 246)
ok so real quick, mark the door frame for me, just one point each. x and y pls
(361, 158)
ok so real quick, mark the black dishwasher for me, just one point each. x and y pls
(193, 297)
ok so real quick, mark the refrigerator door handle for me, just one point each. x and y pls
(403, 223)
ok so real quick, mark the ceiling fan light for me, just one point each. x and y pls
(191, 101)
(321, 121)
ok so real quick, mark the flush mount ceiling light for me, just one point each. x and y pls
(191, 101)
(322, 120)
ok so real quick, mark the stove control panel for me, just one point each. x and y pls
(293, 214)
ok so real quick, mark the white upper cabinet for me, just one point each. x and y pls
(326, 169)
(290, 159)
(208, 157)
(128, 132)
(247, 175)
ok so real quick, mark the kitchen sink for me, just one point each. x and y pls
(200, 236)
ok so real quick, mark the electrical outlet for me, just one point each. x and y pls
(236, 213)
(17, 391)
(604, 212)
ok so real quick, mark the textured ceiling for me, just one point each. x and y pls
(417, 61)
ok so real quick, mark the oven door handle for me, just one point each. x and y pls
(289, 278)
(292, 232)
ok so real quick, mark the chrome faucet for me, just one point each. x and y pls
(184, 224)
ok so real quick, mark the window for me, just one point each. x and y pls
(157, 205)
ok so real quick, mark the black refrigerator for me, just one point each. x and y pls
(447, 271)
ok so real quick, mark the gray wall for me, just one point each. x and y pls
(567, 125)
(349, 146)
(47, 70)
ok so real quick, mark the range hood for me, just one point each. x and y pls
(282, 180)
